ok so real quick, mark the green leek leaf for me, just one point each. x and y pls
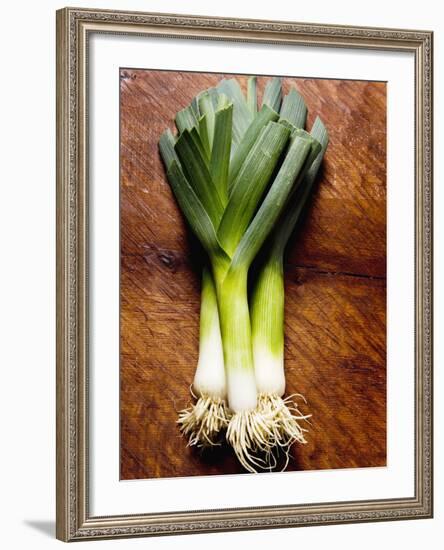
(296, 205)
(250, 184)
(273, 94)
(196, 214)
(194, 133)
(265, 115)
(252, 95)
(166, 146)
(204, 137)
(186, 119)
(220, 154)
(294, 109)
(195, 106)
(242, 115)
(197, 173)
(214, 94)
(206, 107)
(273, 204)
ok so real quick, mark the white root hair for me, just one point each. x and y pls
(250, 433)
(259, 436)
(204, 422)
(287, 422)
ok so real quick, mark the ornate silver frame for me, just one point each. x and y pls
(73, 519)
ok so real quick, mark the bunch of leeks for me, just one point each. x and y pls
(241, 176)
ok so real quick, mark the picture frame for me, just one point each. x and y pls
(75, 471)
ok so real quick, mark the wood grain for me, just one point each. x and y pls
(335, 284)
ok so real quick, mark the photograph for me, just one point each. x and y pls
(252, 273)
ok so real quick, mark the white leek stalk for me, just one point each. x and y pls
(205, 421)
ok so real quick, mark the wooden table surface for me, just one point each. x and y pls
(335, 333)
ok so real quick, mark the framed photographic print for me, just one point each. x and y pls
(244, 274)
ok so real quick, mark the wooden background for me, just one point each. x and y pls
(335, 330)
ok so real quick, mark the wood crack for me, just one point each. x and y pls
(329, 273)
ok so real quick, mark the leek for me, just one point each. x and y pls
(203, 421)
(249, 429)
(267, 314)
